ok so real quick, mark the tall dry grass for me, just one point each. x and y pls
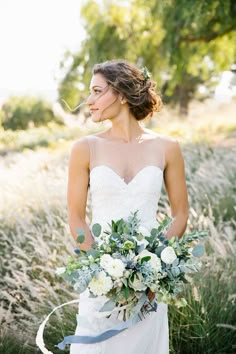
(35, 239)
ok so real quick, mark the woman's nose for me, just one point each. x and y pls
(89, 100)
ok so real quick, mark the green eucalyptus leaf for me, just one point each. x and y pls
(158, 250)
(154, 232)
(92, 252)
(80, 239)
(175, 271)
(198, 250)
(175, 263)
(96, 229)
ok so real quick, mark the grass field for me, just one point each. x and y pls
(35, 238)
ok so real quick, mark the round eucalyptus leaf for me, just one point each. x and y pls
(80, 231)
(96, 229)
(80, 239)
(198, 250)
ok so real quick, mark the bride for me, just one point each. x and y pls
(124, 167)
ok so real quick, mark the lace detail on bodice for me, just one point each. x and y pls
(114, 197)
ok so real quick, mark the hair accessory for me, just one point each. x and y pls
(146, 73)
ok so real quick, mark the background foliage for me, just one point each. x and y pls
(19, 112)
(181, 43)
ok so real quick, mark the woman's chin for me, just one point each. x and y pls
(95, 118)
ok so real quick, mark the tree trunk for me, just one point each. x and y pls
(183, 95)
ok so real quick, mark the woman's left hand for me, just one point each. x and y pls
(150, 295)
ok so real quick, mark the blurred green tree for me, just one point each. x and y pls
(198, 35)
(181, 42)
(114, 30)
(18, 112)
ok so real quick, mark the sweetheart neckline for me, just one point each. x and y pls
(122, 179)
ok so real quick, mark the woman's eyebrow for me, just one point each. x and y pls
(95, 86)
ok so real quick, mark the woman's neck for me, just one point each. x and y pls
(127, 130)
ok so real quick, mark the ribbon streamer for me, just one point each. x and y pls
(39, 336)
(112, 331)
(95, 338)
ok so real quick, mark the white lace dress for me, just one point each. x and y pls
(114, 197)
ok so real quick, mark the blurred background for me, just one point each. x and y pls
(48, 50)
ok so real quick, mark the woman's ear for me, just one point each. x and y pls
(122, 99)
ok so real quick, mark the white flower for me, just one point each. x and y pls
(105, 260)
(60, 270)
(101, 284)
(155, 262)
(168, 255)
(137, 282)
(114, 267)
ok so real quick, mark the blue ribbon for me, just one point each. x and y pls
(111, 332)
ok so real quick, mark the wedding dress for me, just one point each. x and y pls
(124, 177)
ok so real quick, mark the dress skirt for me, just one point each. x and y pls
(149, 336)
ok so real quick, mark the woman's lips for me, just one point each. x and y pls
(92, 110)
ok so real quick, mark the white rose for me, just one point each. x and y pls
(137, 283)
(105, 260)
(101, 284)
(168, 255)
(155, 262)
(115, 268)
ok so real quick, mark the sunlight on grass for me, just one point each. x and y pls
(35, 237)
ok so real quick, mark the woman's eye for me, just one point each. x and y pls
(97, 91)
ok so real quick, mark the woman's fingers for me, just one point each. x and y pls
(151, 295)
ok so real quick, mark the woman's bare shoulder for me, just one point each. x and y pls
(80, 150)
(81, 144)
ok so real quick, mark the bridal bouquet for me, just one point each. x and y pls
(129, 261)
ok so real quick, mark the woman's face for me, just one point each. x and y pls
(102, 101)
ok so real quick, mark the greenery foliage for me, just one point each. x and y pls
(50, 136)
(21, 112)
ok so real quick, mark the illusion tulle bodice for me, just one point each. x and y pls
(113, 196)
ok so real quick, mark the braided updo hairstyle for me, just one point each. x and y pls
(137, 88)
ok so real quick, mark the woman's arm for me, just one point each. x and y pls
(78, 180)
(174, 177)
